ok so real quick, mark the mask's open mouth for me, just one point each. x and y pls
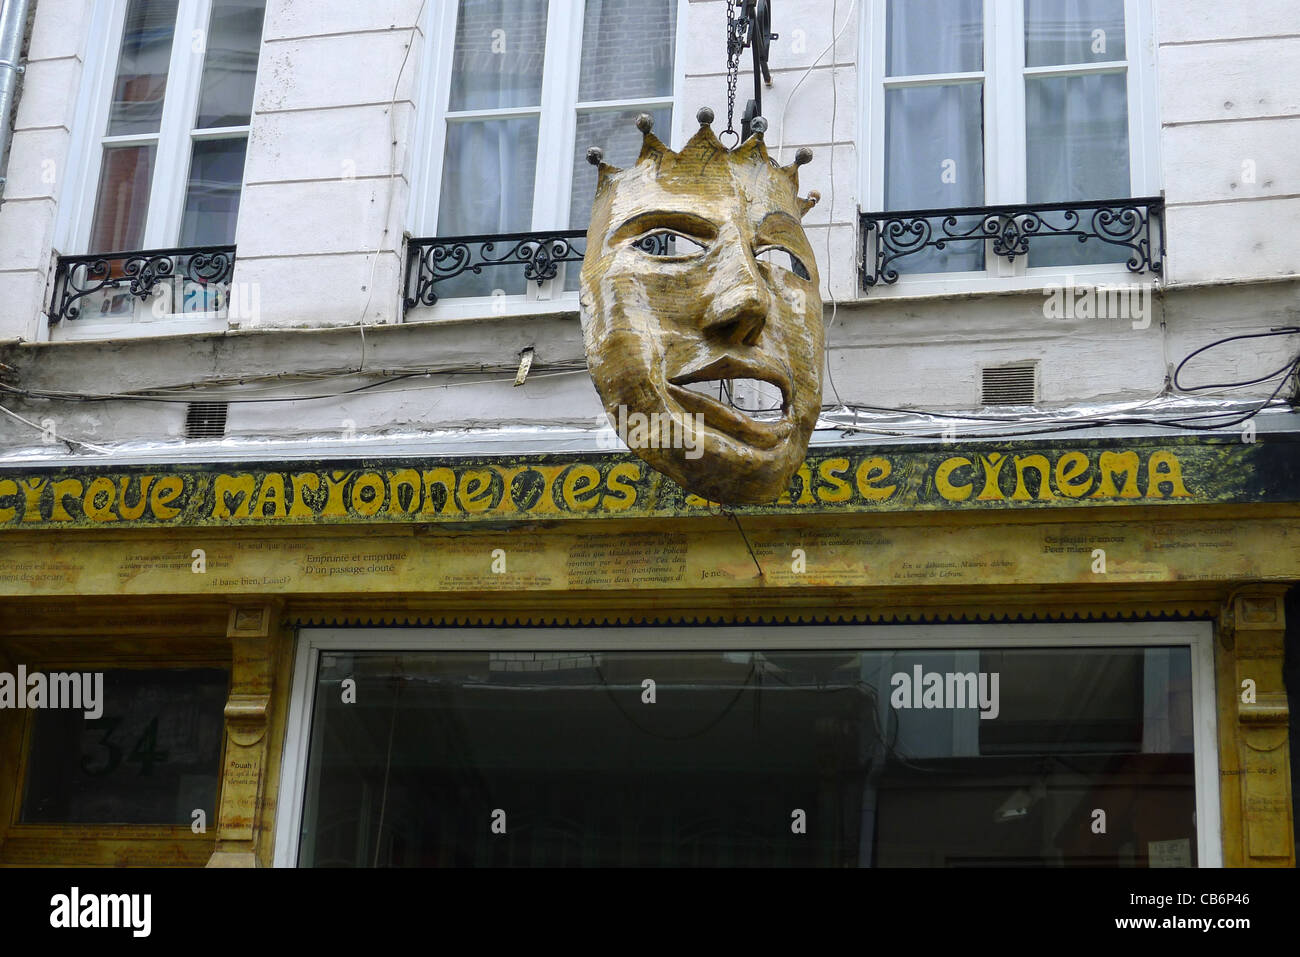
(748, 400)
(755, 397)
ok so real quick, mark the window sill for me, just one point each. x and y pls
(100, 329)
(974, 285)
(487, 308)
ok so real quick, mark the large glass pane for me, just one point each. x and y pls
(627, 49)
(616, 133)
(152, 757)
(1073, 31)
(123, 199)
(212, 199)
(500, 47)
(1077, 136)
(934, 159)
(934, 36)
(230, 64)
(895, 758)
(487, 188)
(142, 67)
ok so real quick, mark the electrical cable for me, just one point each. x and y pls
(392, 176)
(61, 438)
(830, 376)
(1284, 331)
(674, 737)
(75, 397)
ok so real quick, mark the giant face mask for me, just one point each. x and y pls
(697, 277)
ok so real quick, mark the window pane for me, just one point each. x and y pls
(152, 757)
(230, 64)
(901, 758)
(487, 187)
(1073, 31)
(934, 36)
(616, 134)
(123, 199)
(500, 46)
(934, 159)
(142, 67)
(212, 200)
(1078, 149)
(627, 49)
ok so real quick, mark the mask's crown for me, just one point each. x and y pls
(704, 148)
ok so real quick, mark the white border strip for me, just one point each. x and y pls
(1196, 635)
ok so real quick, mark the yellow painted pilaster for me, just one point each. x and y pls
(248, 712)
(1254, 755)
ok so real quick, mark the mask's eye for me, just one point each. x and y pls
(666, 243)
(782, 258)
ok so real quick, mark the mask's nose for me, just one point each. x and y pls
(737, 296)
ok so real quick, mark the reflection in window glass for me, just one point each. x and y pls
(142, 67)
(487, 188)
(500, 47)
(212, 200)
(934, 159)
(934, 36)
(152, 757)
(230, 64)
(618, 136)
(123, 199)
(896, 758)
(1078, 149)
(627, 49)
(1059, 32)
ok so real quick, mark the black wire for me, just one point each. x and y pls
(1286, 331)
(675, 737)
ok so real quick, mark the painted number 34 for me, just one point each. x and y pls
(145, 752)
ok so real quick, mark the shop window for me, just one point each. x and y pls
(103, 745)
(164, 164)
(524, 88)
(1020, 755)
(1008, 135)
(152, 757)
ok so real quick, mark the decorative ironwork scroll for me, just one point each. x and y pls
(430, 261)
(139, 273)
(1135, 225)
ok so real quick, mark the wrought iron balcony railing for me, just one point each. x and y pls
(189, 273)
(1135, 226)
(537, 255)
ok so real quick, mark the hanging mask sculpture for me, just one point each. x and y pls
(700, 293)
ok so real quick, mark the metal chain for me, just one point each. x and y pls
(735, 47)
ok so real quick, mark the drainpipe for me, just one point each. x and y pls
(13, 26)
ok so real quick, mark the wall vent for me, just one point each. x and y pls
(206, 420)
(1012, 384)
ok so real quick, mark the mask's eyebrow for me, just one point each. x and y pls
(779, 220)
(689, 224)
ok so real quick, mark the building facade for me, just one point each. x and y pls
(300, 454)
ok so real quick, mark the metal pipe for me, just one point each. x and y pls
(13, 28)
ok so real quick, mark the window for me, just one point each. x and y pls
(151, 756)
(90, 742)
(522, 89)
(902, 746)
(981, 103)
(165, 124)
(172, 148)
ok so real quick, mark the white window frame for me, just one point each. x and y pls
(1198, 636)
(1005, 160)
(170, 179)
(558, 112)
